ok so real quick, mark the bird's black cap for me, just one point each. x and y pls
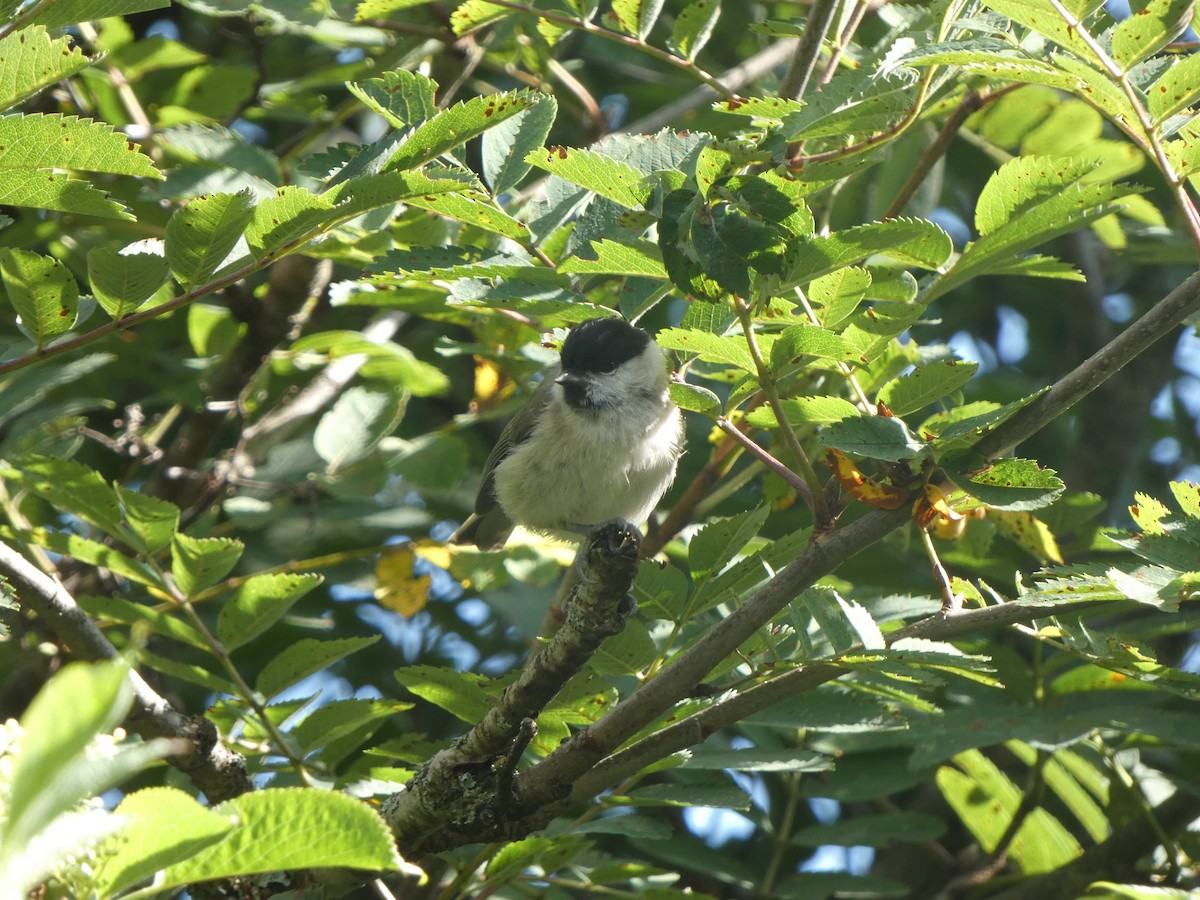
(600, 345)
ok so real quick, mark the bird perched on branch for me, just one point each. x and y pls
(597, 441)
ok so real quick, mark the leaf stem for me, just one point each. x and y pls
(767, 459)
(951, 602)
(766, 380)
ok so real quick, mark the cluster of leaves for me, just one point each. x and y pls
(789, 252)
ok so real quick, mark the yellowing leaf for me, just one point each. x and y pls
(396, 587)
(1029, 532)
(858, 485)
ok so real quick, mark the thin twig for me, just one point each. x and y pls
(761, 453)
(808, 51)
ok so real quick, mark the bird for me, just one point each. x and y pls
(597, 441)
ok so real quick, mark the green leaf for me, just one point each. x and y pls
(798, 341)
(78, 703)
(69, 12)
(635, 17)
(304, 658)
(926, 384)
(986, 800)
(1106, 890)
(212, 329)
(1148, 30)
(805, 411)
(474, 14)
(838, 294)
(474, 208)
(1028, 201)
(694, 26)
(709, 347)
(353, 427)
(641, 259)
(122, 281)
(759, 760)
(1013, 484)
(909, 241)
(505, 147)
(1176, 89)
(855, 103)
(289, 219)
(1041, 16)
(403, 98)
(42, 291)
(39, 141)
(153, 520)
(40, 190)
(694, 398)
(31, 60)
(604, 175)
(73, 488)
(875, 437)
(720, 796)
(337, 720)
(163, 826)
(198, 563)
(455, 126)
(92, 553)
(459, 693)
(718, 542)
(259, 603)
(291, 828)
(202, 233)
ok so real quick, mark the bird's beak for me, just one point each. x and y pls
(571, 379)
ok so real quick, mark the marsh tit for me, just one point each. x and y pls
(598, 440)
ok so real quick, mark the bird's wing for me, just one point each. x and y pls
(515, 433)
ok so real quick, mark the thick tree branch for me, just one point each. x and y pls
(460, 788)
(213, 768)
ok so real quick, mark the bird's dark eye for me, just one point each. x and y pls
(609, 367)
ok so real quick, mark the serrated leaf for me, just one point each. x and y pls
(355, 424)
(87, 551)
(773, 108)
(709, 347)
(926, 384)
(854, 103)
(122, 282)
(873, 830)
(31, 60)
(1041, 16)
(73, 488)
(402, 97)
(1176, 89)
(163, 826)
(505, 147)
(641, 259)
(198, 563)
(636, 17)
(152, 519)
(810, 340)
(286, 220)
(1029, 201)
(455, 126)
(304, 658)
(40, 189)
(459, 693)
(386, 361)
(909, 241)
(875, 437)
(170, 626)
(474, 14)
(259, 603)
(39, 141)
(202, 233)
(474, 208)
(604, 175)
(718, 542)
(1013, 484)
(291, 828)
(383, 9)
(694, 26)
(805, 411)
(838, 294)
(1148, 30)
(334, 722)
(695, 398)
(42, 291)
